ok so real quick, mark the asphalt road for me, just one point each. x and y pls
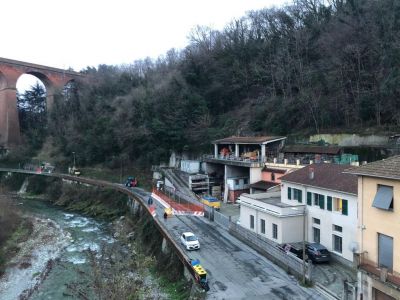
(234, 270)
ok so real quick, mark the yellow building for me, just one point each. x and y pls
(379, 229)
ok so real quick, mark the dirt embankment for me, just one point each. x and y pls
(14, 229)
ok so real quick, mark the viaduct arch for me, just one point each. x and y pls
(10, 70)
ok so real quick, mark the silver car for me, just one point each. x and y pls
(190, 241)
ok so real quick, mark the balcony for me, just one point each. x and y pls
(370, 267)
(234, 160)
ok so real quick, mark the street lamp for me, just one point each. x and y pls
(304, 243)
(74, 158)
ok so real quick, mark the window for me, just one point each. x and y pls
(298, 195)
(316, 221)
(309, 198)
(316, 199)
(316, 235)
(274, 231)
(251, 221)
(337, 204)
(345, 209)
(289, 193)
(384, 197)
(236, 181)
(262, 226)
(319, 200)
(337, 243)
(385, 251)
(272, 176)
(329, 203)
(245, 181)
(337, 228)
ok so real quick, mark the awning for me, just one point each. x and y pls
(384, 197)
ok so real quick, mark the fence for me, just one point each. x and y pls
(271, 250)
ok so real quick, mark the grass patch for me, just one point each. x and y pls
(177, 290)
(10, 248)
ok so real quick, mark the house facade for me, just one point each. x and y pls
(379, 229)
(266, 215)
(330, 197)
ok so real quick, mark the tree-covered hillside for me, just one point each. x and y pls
(306, 67)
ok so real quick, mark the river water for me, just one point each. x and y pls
(63, 237)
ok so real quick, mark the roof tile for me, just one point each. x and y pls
(327, 176)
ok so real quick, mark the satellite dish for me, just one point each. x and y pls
(353, 247)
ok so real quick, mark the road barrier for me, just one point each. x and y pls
(180, 207)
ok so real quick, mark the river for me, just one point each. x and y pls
(59, 236)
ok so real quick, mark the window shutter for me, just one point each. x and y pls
(322, 201)
(289, 193)
(309, 198)
(329, 203)
(345, 208)
(300, 196)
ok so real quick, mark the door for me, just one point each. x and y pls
(385, 251)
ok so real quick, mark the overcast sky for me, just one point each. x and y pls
(80, 33)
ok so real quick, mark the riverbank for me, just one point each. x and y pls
(14, 229)
(33, 260)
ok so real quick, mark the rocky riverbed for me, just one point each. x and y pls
(35, 259)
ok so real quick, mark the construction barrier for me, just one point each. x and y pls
(182, 208)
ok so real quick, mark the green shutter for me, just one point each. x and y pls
(329, 203)
(345, 208)
(309, 198)
(289, 193)
(321, 201)
(300, 195)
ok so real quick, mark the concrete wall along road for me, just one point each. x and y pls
(271, 250)
(190, 166)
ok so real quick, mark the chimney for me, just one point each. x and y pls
(285, 161)
(275, 160)
(311, 173)
(298, 162)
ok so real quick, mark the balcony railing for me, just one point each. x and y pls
(235, 159)
(382, 273)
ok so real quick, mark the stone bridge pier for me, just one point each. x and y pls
(10, 70)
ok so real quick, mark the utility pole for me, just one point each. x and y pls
(304, 245)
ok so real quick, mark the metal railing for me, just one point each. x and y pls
(234, 158)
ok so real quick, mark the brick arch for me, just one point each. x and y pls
(3, 81)
(51, 87)
(10, 71)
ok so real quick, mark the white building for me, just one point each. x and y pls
(331, 200)
(265, 214)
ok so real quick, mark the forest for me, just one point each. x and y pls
(310, 67)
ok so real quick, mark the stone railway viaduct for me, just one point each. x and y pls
(10, 70)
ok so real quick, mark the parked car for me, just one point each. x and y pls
(318, 253)
(190, 241)
(131, 182)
